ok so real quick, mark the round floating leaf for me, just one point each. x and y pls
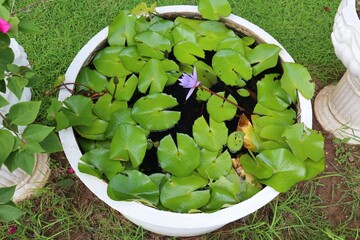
(152, 44)
(163, 27)
(285, 117)
(205, 74)
(108, 62)
(219, 199)
(125, 88)
(297, 77)
(133, 185)
(128, 143)
(235, 141)
(243, 92)
(191, 22)
(314, 168)
(182, 32)
(107, 102)
(150, 112)
(95, 131)
(252, 140)
(213, 136)
(100, 159)
(214, 9)
(117, 118)
(234, 43)
(131, 59)
(272, 132)
(89, 79)
(78, 110)
(219, 109)
(213, 165)
(230, 66)
(122, 29)
(182, 194)
(263, 56)
(180, 158)
(271, 95)
(212, 33)
(152, 75)
(202, 95)
(186, 52)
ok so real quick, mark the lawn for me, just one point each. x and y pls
(324, 208)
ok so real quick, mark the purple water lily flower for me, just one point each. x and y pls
(189, 81)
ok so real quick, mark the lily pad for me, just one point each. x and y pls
(205, 74)
(107, 102)
(183, 194)
(234, 43)
(128, 143)
(180, 158)
(212, 136)
(119, 117)
(212, 33)
(125, 88)
(133, 185)
(95, 131)
(150, 112)
(89, 79)
(131, 59)
(230, 66)
(214, 9)
(121, 30)
(183, 32)
(219, 109)
(213, 165)
(263, 57)
(152, 76)
(152, 44)
(219, 199)
(108, 62)
(235, 141)
(186, 52)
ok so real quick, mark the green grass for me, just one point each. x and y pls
(58, 211)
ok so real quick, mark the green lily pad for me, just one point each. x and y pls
(131, 59)
(212, 33)
(191, 22)
(152, 76)
(219, 109)
(212, 136)
(163, 27)
(128, 143)
(95, 131)
(180, 158)
(107, 102)
(100, 159)
(90, 79)
(214, 9)
(186, 52)
(230, 66)
(108, 62)
(297, 77)
(263, 57)
(183, 194)
(152, 44)
(122, 30)
(150, 112)
(213, 165)
(125, 88)
(235, 141)
(285, 117)
(271, 95)
(205, 74)
(182, 32)
(119, 117)
(219, 199)
(133, 185)
(78, 110)
(234, 43)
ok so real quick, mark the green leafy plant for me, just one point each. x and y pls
(169, 108)
(18, 147)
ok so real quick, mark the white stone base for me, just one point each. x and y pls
(26, 185)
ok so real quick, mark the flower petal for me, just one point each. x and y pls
(4, 26)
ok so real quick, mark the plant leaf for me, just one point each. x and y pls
(16, 85)
(95, 131)
(297, 77)
(51, 143)
(9, 213)
(234, 43)
(182, 32)
(133, 185)
(252, 140)
(100, 159)
(230, 66)
(182, 194)
(6, 194)
(219, 109)
(24, 113)
(7, 142)
(211, 136)
(131, 59)
(212, 33)
(152, 44)
(263, 56)
(235, 141)
(3, 102)
(122, 30)
(125, 88)
(271, 95)
(25, 161)
(108, 62)
(90, 79)
(152, 75)
(78, 110)
(214, 9)
(129, 143)
(150, 113)
(213, 165)
(186, 52)
(117, 118)
(219, 199)
(179, 159)
(106, 102)
(36, 132)
(205, 74)
(285, 117)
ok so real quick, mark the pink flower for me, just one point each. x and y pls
(12, 230)
(4, 26)
(189, 81)
(70, 170)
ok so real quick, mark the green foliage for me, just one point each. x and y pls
(214, 9)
